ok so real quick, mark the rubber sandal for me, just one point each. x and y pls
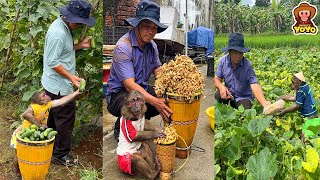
(66, 160)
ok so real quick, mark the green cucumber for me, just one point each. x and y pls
(47, 131)
(26, 129)
(82, 85)
(42, 128)
(26, 139)
(33, 126)
(36, 134)
(93, 42)
(52, 134)
(42, 136)
(21, 132)
(27, 133)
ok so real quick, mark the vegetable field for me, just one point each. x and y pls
(249, 145)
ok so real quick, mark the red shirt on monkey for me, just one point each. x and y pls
(132, 151)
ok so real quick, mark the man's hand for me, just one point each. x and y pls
(224, 93)
(164, 110)
(75, 80)
(265, 103)
(85, 43)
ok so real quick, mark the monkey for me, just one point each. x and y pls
(134, 153)
(37, 113)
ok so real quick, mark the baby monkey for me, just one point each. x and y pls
(134, 153)
(37, 113)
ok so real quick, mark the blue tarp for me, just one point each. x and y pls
(202, 37)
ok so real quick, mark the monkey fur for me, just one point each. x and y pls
(40, 98)
(134, 107)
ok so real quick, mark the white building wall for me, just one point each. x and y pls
(198, 11)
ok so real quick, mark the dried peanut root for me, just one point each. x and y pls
(181, 77)
(274, 108)
(171, 136)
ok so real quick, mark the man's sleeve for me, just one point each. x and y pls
(219, 69)
(128, 130)
(122, 63)
(54, 49)
(300, 98)
(252, 76)
(157, 61)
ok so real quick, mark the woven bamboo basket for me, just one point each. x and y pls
(184, 120)
(166, 154)
(34, 158)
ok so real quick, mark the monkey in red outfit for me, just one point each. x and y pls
(134, 154)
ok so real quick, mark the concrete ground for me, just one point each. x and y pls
(200, 166)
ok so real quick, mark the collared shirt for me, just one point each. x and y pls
(130, 61)
(238, 79)
(58, 50)
(305, 100)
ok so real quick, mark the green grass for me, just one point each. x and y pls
(271, 41)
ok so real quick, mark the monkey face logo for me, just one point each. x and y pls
(303, 15)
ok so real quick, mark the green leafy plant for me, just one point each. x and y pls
(249, 145)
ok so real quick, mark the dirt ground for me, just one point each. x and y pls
(200, 165)
(88, 150)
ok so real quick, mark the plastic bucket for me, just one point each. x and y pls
(210, 114)
(34, 158)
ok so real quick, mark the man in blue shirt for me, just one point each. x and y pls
(58, 78)
(304, 100)
(135, 58)
(238, 75)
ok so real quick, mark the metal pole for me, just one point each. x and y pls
(186, 28)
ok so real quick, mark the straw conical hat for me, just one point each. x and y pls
(300, 76)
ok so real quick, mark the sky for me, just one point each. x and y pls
(250, 2)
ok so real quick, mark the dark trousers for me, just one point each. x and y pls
(246, 103)
(117, 101)
(62, 120)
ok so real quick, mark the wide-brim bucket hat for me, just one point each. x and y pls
(147, 10)
(300, 76)
(307, 7)
(236, 42)
(78, 11)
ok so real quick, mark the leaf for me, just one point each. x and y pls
(224, 113)
(312, 160)
(232, 151)
(287, 135)
(34, 18)
(35, 30)
(241, 108)
(250, 114)
(278, 122)
(27, 95)
(44, 11)
(315, 143)
(256, 127)
(314, 129)
(262, 166)
(217, 169)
